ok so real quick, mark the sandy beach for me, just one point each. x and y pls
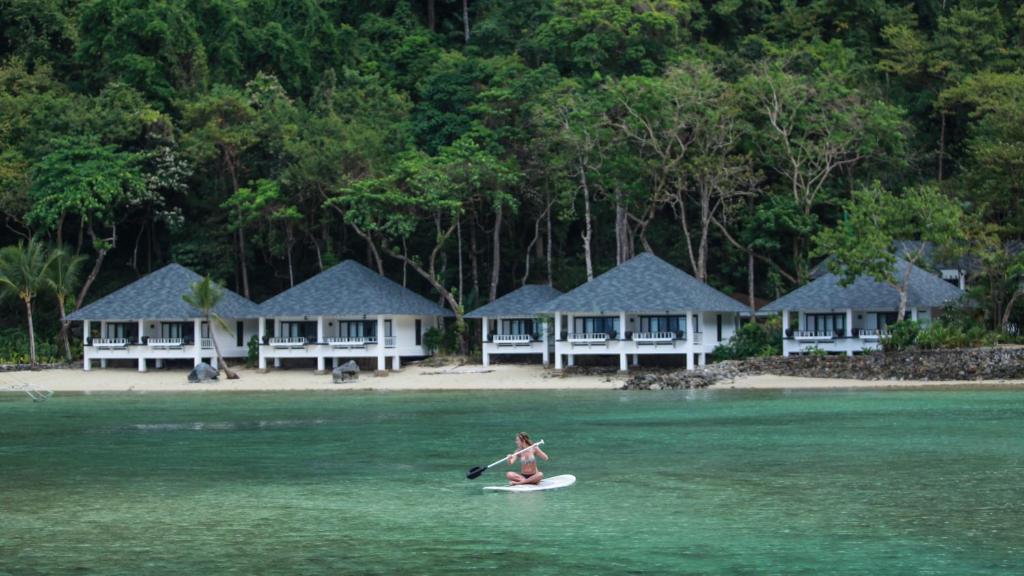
(413, 377)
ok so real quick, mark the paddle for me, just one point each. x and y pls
(476, 471)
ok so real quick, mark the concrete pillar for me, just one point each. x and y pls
(569, 330)
(623, 366)
(319, 329)
(558, 335)
(544, 342)
(103, 328)
(690, 334)
(197, 330)
(622, 325)
(380, 344)
(86, 361)
(689, 360)
(103, 363)
(485, 328)
(334, 363)
(321, 364)
(485, 331)
(142, 364)
(396, 362)
(636, 359)
(277, 362)
(142, 329)
(159, 363)
(913, 314)
(849, 323)
(703, 358)
(785, 322)
(261, 329)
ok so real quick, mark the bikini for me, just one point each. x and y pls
(527, 459)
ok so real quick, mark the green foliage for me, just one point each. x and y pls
(252, 355)
(14, 348)
(753, 339)
(903, 335)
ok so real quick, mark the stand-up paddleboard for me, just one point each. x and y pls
(563, 481)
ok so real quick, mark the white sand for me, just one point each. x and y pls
(414, 377)
(411, 377)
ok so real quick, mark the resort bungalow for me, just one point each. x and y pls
(848, 319)
(644, 306)
(346, 312)
(148, 320)
(513, 324)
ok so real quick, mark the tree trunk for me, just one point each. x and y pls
(750, 286)
(621, 237)
(64, 326)
(495, 255)
(100, 256)
(31, 334)
(289, 244)
(474, 264)
(241, 261)
(550, 240)
(1005, 319)
(942, 142)
(533, 243)
(587, 232)
(458, 235)
(432, 15)
(221, 364)
(465, 19)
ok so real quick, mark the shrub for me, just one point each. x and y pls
(14, 348)
(753, 339)
(252, 358)
(903, 336)
(440, 340)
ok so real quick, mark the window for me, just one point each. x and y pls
(718, 320)
(517, 327)
(204, 329)
(885, 319)
(663, 324)
(303, 329)
(127, 330)
(183, 330)
(387, 329)
(825, 323)
(419, 332)
(239, 333)
(596, 325)
(356, 328)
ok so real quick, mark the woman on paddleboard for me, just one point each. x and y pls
(528, 474)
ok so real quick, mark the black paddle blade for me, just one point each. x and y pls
(475, 472)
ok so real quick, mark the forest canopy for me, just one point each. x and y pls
(465, 147)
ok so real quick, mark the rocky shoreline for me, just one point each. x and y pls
(968, 364)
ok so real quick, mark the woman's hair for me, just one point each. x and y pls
(524, 437)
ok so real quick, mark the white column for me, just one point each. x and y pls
(801, 321)
(636, 359)
(485, 330)
(261, 330)
(103, 328)
(544, 342)
(785, 329)
(569, 329)
(142, 364)
(334, 362)
(380, 344)
(86, 361)
(159, 363)
(622, 325)
(142, 329)
(913, 314)
(623, 365)
(321, 364)
(558, 334)
(103, 363)
(703, 358)
(849, 323)
(690, 334)
(213, 361)
(396, 362)
(197, 330)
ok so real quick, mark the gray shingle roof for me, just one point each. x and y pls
(526, 301)
(825, 293)
(158, 296)
(644, 283)
(349, 289)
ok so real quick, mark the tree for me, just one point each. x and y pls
(94, 183)
(23, 274)
(205, 296)
(63, 279)
(864, 242)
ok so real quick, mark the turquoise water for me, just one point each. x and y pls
(923, 482)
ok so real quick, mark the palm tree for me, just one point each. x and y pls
(65, 273)
(205, 295)
(23, 272)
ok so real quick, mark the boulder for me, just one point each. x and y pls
(347, 372)
(202, 373)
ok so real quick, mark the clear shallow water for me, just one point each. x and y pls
(924, 482)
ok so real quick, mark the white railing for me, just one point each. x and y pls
(165, 343)
(513, 339)
(350, 342)
(874, 334)
(206, 343)
(389, 341)
(814, 335)
(299, 342)
(653, 338)
(588, 338)
(110, 342)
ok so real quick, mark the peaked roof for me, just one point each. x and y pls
(158, 296)
(349, 289)
(525, 301)
(645, 283)
(866, 293)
